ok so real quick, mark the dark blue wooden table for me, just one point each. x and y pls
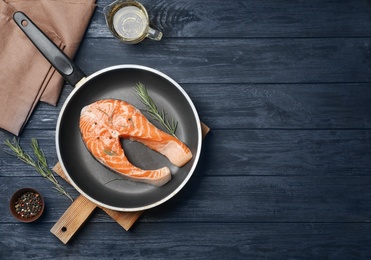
(285, 171)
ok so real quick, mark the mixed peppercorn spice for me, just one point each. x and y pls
(28, 205)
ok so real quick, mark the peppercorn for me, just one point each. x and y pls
(28, 205)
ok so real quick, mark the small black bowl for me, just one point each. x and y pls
(27, 205)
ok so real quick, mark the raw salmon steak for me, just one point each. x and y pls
(104, 122)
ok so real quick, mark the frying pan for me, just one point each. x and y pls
(87, 175)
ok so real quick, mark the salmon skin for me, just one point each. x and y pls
(104, 122)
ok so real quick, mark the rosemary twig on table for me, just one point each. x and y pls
(160, 116)
(41, 165)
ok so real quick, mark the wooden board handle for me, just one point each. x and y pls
(73, 218)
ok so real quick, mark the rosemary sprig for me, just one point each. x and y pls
(41, 165)
(160, 116)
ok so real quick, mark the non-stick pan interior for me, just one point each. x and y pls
(99, 183)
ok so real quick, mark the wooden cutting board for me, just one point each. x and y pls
(80, 210)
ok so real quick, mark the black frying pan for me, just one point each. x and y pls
(88, 176)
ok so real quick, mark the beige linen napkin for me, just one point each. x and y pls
(26, 77)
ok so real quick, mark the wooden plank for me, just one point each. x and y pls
(204, 199)
(250, 19)
(287, 153)
(319, 60)
(195, 241)
(270, 199)
(73, 219)
(245, 152)
(284, 106)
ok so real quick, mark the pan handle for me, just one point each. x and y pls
(60, 61)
